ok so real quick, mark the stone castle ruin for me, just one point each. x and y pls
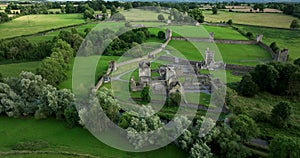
(282, 55)
(209, 61)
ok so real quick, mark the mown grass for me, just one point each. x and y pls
(61, 138)
(13, 70)
(142, 15)
(283, 37)
(225, 33)
(258, 19)
(30, 24)
(230, 53)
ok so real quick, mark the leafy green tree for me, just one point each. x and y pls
(103, 9)
(108, 103)
(247, 87)
(229, 22)
(297, 62)
(10, 102)
(214, 10)
(145, 94)
(265, 76)
(196, 14)
(127, 5)
(160, 17)
(113, 10)
(161, 35)
(294, 24)
(201, 150)
(294, 85)
(283, 147)
(71, 116)
(4, 17)
(274, 47)
(281, 114)
(245, 127)
(228, 144)
(88, 14)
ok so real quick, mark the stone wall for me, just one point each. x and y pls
(193, 39)
(242, 68)
(267, 48)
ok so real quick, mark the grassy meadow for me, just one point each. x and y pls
(141, 15)
(14, 69)
(61, 138)
(284, 38)
(30, 24)
(259, 19)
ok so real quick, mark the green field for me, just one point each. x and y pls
(284, 38)
(201, 31)
(258, 19)
(30, 24)
(13, 70)
(141, 15)
(225, 33)
(100, 70)
(61, 138)
(231, 53)
(49, 35)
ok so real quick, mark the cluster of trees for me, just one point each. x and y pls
(220, 140)
(4, 17)
(30, 95)
(196, 14)
(22, 49)
(282, 147)
(287, 8)
(37, 8)
(54, 68)
(276, 78)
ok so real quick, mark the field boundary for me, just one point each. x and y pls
(42, 33)
(15, 152)
(224, 41)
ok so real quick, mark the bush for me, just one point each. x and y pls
(31, 145)
(229, 22)
(247, 87)
(249, 34)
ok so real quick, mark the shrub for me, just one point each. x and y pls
(31, 145)
(249, 34)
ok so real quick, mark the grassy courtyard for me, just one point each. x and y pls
(258, 19)
(230, 53)
(30, 24)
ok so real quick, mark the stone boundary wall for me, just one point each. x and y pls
(267, 48)
(15, 152)
(224, 41)
(239, 67)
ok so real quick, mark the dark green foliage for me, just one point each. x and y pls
(249, 34)
(196, 14)
(214, 10)
(230, 22)
(247, 87)
(145, 94)
(294, 24)
(174, 99)
(161, 35)
(160, 17)
(71, 116)
(265, 76)
(284, 147)
(229, 144)
(127, 5)
(281, 114)
(274, 47)
(297, 62)
(244, 126)
(31, 145)
(4, 18)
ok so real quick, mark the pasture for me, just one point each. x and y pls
(31, 24)
(141, 15)
(14, 69)
(201, 31)
(61, 138)
(284, 38)
(258, 19)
